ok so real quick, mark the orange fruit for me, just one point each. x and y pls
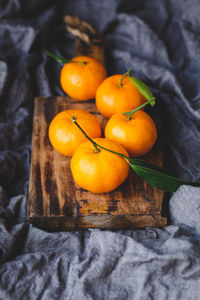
(111, 99)
(65, 137)
(80, 81)
(99, 172)
(137, 135)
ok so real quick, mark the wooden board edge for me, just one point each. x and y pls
(69, 100)
(29, 204)
(100, 221)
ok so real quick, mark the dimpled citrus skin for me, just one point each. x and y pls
(64, 135)
(137, 135)
(99, 172)
(80, 81)
(111, 99)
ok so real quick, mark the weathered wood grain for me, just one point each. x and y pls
(55, 202)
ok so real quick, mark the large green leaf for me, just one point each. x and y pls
(143, 89)
(158, 177)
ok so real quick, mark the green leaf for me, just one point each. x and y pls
(143, 89)
(57, 58)
(157, 176)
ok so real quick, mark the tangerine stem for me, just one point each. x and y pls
(130, 113)
(120, 154)
(94, 143)
(63, 60)
(124, 75)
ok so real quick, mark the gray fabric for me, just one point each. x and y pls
(160, 40)
(134, 264)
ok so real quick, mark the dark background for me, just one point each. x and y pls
(161, 41)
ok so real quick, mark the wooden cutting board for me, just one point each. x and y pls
(56, 203)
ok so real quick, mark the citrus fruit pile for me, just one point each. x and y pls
(99, 164)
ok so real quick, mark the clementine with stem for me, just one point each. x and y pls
(99, 165)
(99, 171)
(117, 94)
(81, 80)
(64, 135)
(136, 132)
(80, 76)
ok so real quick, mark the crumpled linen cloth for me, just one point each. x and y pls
(160, 40)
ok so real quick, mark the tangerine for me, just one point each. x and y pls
(137, 135)
(65, 137)
(111, 97)
(80, 80)
(99, 172)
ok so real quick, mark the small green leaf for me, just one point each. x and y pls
(57, 58)
(143, 89)
(157, 176)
